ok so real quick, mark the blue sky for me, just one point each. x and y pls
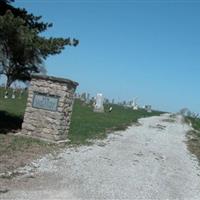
(149, 49)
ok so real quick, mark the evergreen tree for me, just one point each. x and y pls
(22, 48)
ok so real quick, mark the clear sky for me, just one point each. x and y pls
(149, 49)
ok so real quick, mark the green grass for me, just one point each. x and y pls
(195, 124)
(87, 124)
(17, 151)
(11, 111)
(13, 106)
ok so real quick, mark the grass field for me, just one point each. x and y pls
(17, 150)
(87, 124)
(11, 111)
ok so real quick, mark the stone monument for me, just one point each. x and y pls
(98, 106)
(6, 95)
(20, 93)
(13, 94)
(87, 98)
(49, 108)
(135, 105)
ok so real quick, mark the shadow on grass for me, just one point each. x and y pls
(9, 123)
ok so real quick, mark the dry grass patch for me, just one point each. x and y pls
(193, 143)
(17, 151)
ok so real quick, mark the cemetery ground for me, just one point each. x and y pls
(86, 125)
(146, 161)
(153, 147)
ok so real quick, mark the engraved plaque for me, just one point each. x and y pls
(45, 101)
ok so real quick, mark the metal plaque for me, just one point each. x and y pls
(45, 101)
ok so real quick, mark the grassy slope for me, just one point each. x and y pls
(85, 123)
(194, 137)
(16, 150)
(195, 123)
(89, 125)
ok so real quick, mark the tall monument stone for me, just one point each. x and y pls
(98, 106)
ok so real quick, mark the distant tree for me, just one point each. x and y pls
(184, 111)
(22, 49)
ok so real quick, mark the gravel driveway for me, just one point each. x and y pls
(149, 161)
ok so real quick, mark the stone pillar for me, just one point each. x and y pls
(49, 108)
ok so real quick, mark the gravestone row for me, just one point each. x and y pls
(15, 93)
(49, 107)
(99, 101)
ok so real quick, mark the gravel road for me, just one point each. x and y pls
(149, 161)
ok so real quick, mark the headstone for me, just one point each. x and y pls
(20, 93)
(98, 106)
(6, 95)
(128, 105)
(49, 108)
(93, 99)
(134, 105)
(106, 101)
(87, 98)
(77, 96)
(83, 97)
(13, 94)
(148, 108)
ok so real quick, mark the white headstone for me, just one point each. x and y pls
(134, 105)
(13, 94)
(98, 106)
(83, 97)
(6, 95)
(149, 109)
(20, 93)
(88, 98)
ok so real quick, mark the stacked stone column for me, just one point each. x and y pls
(47, 124)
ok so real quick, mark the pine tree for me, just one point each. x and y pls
(22, 48)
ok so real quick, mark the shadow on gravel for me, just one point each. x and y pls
(9, 123)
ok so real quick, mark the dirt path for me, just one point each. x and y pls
(150, 161)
